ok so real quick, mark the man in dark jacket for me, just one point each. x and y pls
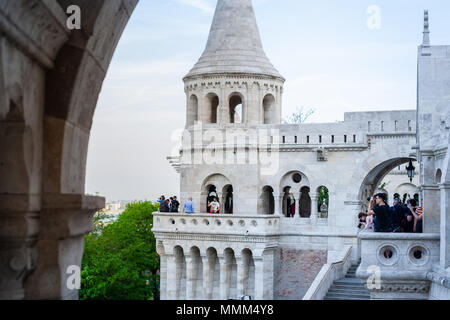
(397, 215)
(163, 206)
(380, 210)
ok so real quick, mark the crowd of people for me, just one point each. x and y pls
(380, 217)
(173, 205)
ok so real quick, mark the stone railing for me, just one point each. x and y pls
(398, 264)
(264, 225)
(328, 274)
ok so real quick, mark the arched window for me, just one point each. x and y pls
(269, 109)
(305, 203)
(267, 201)
(323, 202)
(438, 178)
(211, 108)
(192, 113)
(228, 200)
(236, 109)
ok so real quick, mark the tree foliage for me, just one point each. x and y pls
(120, 261)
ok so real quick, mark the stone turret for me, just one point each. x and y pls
(233, 81)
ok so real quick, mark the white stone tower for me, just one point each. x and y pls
(233, 81)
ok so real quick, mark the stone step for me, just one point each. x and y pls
(348, 287)
(338, 298)
(348, 292)
(350, 276)
(348, 295)
(351, 281)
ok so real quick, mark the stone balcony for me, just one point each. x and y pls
(221, 224)
(402, 261)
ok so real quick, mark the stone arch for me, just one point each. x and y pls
(211, 108)
(211, 187)
(248, 273)
(290, 185)
(227, 199)
(236, 108)
(269, 109)
(212, 275)
(304, 206)
(230, 276)
(373, 179)
(323, 201)
(266, 204)
(196, 276)
(192, 110)
(180, 273)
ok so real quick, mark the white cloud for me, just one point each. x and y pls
(203, 5)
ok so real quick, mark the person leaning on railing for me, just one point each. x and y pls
(188, 206)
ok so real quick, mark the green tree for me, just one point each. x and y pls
(323, 196)
(120, 261)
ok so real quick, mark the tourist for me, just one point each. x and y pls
(409, 216)
(379, 210)
(170, 204)
(188, 206)
(175, 205)
(417, 212)
(163, 206)
(397, 215)
(214, 207)
(362, 220)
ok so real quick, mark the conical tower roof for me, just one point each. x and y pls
(234, 44)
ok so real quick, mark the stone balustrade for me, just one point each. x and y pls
(395, 265)
(261, 225)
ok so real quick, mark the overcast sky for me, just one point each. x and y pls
(334, 54)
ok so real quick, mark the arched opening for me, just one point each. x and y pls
(305, 203)
(373, 180)
(248, 281)
(267, 201)
(269, 109)
(288, 203)
(192, 111)
(197, 274)
(210, 111)
(180, 273)
(323, 202)
(236, 109)
(212, 194)
(438, 178)
(228, 199)
(212, 281)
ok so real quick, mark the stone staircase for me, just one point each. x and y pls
(349, 288)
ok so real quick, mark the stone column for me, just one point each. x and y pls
(278, 204)
(65, 219)
(19, 227)
(190, 277)
(207, 279)
(259, 279)
(431, 204)
(242, 276)
(445, 225)
(163, 278)
(225, 275)
(171, 284)
(314, 207)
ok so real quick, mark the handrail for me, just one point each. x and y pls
(327, 275)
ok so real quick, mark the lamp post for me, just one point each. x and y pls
(410, 170)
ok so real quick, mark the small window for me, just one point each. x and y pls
(332, 139)
(354, 138)
(307, 139)
(409, 126)
(382, 126)
(284, 139)
(396, 126)
(296, 140)
(369, 124)
(320, 139)
(345, 139)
